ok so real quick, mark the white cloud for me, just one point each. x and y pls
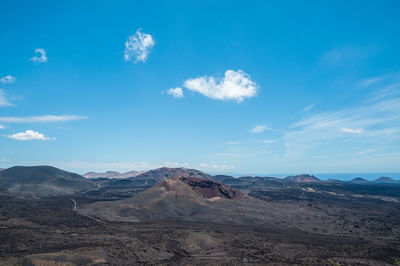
(176, 92)
(309, 107)
(41, 119)
(261, 128)
(236, 85)
(232, 142)
(2, 127)
(3, 99)
(176, 164)
(217, 166)
(269, 140)
(222, 167)
(42, 58)
(7, 79)
(29, 135)
(351, 130)
(365, 152)
(138, 46)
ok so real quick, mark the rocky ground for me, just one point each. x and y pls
(49, 232)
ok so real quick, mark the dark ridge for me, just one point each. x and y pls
(303, 178)
(42, 180)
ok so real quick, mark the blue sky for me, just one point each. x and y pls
(231, 87)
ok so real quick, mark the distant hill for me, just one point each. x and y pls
(359, 180)
(189, 199)
(302, 178)
(1, 169)
(385, 179)
(42, 181)
(112, 174)
(164, 173)
(249, 182)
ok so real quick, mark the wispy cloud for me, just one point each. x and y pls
(391, 78)
(374, 122)
(309, 107)
(42, 58)
(7, 79)
(232, 142)
(351, 130)
(235, 85)
(138, 47)
(41, 119)
(370, 81)
(29, 135)
(175, 92)
(4, 102)
(2, 126)
(347, 54)
(262, 128)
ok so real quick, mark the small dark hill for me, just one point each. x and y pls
(42, 181)
(108, 174)
(385, 179)
(359, 180)
(302, 178)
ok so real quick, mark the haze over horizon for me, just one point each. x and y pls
(220, 87)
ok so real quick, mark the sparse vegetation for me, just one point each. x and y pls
(333, 263)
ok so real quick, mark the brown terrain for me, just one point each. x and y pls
(191, 218)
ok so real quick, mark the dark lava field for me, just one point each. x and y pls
(161, 218)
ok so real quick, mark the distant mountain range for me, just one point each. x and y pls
(50, 181)
(156, 174)
(112, 174)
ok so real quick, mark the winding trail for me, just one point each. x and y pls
(75, 205)
(74, 209)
